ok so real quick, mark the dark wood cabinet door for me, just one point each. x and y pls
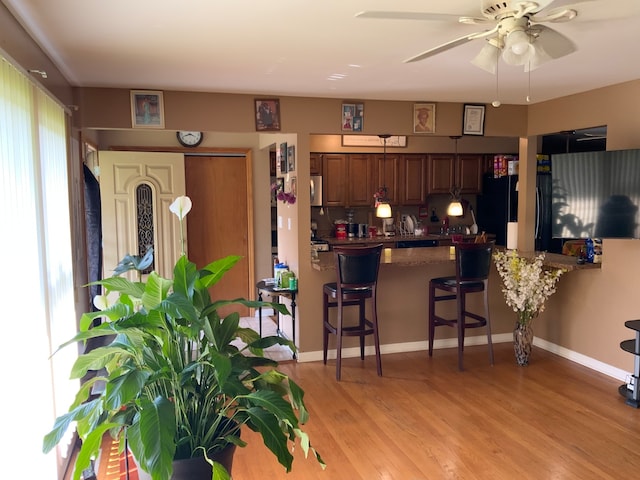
(413, 175)
(441, 173)
(334, 180)
(469, 173)
(315, 164)
(360, 174)
(387, 173)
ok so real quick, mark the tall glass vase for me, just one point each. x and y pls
(522, 342)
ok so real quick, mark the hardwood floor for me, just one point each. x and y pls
(426, 420)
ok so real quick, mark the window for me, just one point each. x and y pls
(36, 281)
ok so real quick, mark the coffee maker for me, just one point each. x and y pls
(314, 230)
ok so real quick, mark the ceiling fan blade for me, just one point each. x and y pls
(451, 44)
(549, 44)
(384, 15)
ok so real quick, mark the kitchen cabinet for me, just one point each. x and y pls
(446, 172)
(315, 164)
(360, 180)
(334, 179)
(413, 179)
(348, 180)
(387, 173)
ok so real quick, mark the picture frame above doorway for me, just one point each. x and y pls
(147, 109)
(267, 114)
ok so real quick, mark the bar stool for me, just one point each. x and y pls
(473, 263)
(357, 279)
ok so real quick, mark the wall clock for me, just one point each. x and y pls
(189, 139)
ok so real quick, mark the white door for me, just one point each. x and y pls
(136, 190)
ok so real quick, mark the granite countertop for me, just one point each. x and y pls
(392, 239)
(412, 257)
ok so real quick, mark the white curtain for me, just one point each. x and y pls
(36, 278)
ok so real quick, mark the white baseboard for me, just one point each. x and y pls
(576, 357)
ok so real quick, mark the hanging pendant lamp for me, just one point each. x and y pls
(383, 208)
(455, 206)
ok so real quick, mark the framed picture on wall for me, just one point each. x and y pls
(282, 154)
(147, 109)
(473, 120)
(352, 117)
(267, 112)
(291, 158)
(424, 118)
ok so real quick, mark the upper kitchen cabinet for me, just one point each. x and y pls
(348, 180)
(315, 164)
(447, 172)
(360, 181)
(334, 179)
(413, 173)
(387, 174)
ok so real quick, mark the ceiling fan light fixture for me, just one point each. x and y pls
(518, 49)
(487, 59)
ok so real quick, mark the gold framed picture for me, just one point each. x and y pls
(147, 109)
(424, 118)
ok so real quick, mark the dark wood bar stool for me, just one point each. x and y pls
(473, 263)
(357, 279)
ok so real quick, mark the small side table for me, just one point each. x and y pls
(275, 292)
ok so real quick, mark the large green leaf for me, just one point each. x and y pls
(124, 388)
(178, 306)
(122, 285)
(272, 435)
(90, 449)
(274, 404)
(95, 360)
(185, 274)
(212, 273)
(62, 423)
(155, 291)
(134, 262)
(157, 426)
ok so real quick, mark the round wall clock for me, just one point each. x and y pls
(189, 139)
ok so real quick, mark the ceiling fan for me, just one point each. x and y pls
(514, 32)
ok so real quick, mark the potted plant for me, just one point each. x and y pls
(174, 383)
(526, 286)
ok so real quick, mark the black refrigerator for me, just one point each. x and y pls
(498, 204)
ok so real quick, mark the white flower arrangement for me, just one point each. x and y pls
(527, 285)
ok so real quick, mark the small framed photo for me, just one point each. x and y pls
(294, 186)
(424, 118)
(147, 109)
(291, 158)
(267, 112)
(352, 117)
(281, 156)
(473, 120)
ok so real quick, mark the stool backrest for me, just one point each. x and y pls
(357, 267)
(473, 261)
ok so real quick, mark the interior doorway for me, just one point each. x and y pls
(221, 221)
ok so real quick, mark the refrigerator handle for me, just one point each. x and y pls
(538, 213)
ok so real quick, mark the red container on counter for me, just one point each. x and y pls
(341, 230)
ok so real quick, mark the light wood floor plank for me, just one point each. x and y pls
(426, 420)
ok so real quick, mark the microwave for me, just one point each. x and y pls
(316, 190)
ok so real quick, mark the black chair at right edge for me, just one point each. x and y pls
(473, 263)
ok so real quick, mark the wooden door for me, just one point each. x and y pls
(413, 180)
(136, 189)
(221, 221)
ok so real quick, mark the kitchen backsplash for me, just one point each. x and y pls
(437, 203)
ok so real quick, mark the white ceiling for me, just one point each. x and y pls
(298, 47)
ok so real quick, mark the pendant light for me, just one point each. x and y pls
(455, 206)
(383, 209)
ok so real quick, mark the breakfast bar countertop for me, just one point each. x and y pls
(412, 257)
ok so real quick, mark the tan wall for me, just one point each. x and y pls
(580, 317)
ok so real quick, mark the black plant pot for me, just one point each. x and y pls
(199, 469)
